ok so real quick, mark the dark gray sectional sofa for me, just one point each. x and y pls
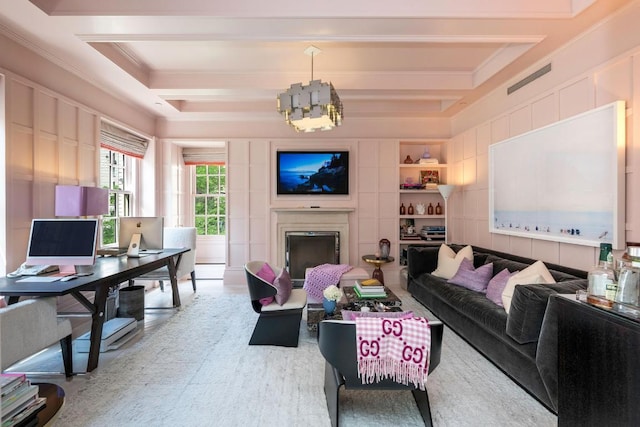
(523, 344)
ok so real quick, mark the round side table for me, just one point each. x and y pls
(377, 262)
(55, 400)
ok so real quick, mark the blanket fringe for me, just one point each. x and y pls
(374, 370)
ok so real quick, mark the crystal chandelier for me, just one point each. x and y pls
(312, 107)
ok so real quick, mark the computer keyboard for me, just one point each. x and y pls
(111, 251)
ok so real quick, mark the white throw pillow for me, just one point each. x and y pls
(449, 261)
(535, 273)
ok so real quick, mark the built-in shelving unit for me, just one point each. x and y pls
(428, 228)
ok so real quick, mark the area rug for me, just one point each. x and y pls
(198, 370)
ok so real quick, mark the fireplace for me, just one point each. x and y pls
(305, 249)
(312, 220)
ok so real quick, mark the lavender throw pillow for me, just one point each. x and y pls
(266, 273)
(475, 279)
(283, 286)
(497, 284)
(351, 315)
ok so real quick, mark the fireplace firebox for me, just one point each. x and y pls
(305, 249)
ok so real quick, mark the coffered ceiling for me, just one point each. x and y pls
(223, 60)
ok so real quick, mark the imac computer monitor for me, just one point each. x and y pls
(62, 242)
(149, 229)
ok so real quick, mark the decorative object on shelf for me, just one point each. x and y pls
(410, 185)
(445, 191)
(430, 209)
(408, 160)
(420, 208)
(411, 229)
(430, 178)
(426, 154)
(403, 210)
(316, 106)
(331, 295)
(438, 209)
(410, 209)
(385, 248)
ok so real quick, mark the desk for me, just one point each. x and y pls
(108, 272)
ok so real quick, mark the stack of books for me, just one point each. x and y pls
(369, 288)
(432, 232)
(20, 399)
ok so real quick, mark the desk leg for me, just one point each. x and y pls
(100, 304)
(173, 275)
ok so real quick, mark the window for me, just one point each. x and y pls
(210, 200)
(115, 172)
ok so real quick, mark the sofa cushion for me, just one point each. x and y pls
(496, 285)
(266, 273)
(472, 278)
(283, 286)
(535, 273)
(449, 261)
(527, 311)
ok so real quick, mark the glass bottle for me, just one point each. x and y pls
(438, 209)
(430, 209)
(410, 209)
(601, 279)
(403, 210)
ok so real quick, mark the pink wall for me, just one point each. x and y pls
(600, 67)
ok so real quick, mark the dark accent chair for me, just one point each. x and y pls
(277, 324)
(337, 342)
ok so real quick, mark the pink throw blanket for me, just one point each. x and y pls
(321, 277)
(397, 349)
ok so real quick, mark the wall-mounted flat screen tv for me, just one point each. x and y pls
(313, 172)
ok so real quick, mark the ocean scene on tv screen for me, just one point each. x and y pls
(313, 173)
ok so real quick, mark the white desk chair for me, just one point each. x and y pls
(176, 237)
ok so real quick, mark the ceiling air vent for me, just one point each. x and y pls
(531, 77)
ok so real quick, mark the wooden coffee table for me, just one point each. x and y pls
(350, 301)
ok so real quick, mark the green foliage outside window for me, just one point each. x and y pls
(113, 168)
(210, 200)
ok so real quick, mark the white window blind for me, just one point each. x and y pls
(117, 139)
(204, 156)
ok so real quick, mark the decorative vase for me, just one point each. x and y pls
(329, 306)
(385, 248)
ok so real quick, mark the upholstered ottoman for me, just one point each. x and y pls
(349, 278)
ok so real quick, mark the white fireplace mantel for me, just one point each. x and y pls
(312, 210)
(311, 219)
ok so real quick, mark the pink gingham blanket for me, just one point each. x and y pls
(321, 277)
(396, 349)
